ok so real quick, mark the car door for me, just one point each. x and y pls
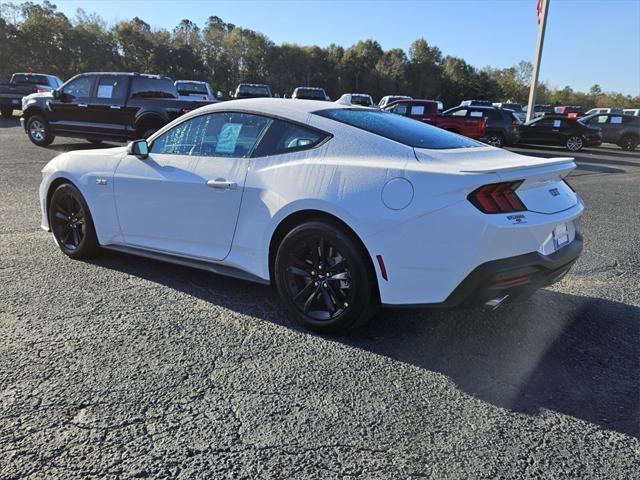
(612, 129)
(538, 131)
(106, 107)
(69, 112)
(184, 198)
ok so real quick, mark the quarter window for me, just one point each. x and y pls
(213, 135)
(284, 137)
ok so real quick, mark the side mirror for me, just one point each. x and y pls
(56, 94)
(139, 148)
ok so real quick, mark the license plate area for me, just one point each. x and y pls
(560, 236)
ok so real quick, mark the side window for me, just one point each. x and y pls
(213, 135)
(615, 119)
(80, 87)
(460, 113)
(417, 110)
(150, 87)
(400, 109)
(111, 87)
(284, 137)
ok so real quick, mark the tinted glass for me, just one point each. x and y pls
(32, 79)
(283, 137)
(361, 100)
(112, 87)
(399, 128)
(80, 87)
(145, 87)
(215, 135)
(462, 112)
(186, 88)
(260, 90)
(399, 108)
(310, 94)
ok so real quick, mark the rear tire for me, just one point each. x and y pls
(324, 278)
(574, 143)
(39, 131)
(6, 112)
(495, 140)
(629, 143)
(71, 223)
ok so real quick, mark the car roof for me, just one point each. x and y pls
(192, 81)
(277, 107)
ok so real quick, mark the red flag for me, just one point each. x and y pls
(539, 8)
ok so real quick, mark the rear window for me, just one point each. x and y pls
(144, 87)
(261, 90)
(31, 79)
(310, 94)
(188, 88)
(398, 128)
(361, 100)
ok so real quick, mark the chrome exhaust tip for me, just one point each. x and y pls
(495, 302)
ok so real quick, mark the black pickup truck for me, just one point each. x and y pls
(104, 106)
(21, 85)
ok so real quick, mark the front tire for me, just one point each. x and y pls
(629, 143)
(574, 143)
(324, 278)
(39, 131)
(71, 222)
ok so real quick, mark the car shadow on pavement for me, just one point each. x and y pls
(9, 122)
(579, 356)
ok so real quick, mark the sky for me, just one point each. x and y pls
(587, 41)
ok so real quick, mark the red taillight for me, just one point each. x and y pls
(497, 198)
(515, 121)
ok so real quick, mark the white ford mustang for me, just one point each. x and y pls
(342, 208)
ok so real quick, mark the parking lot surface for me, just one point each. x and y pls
(127, 367)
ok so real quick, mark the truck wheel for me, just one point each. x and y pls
(7, 112)
(628, 143)
(39, 131)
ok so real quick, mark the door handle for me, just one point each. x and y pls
(115, 107)
(222, 184)
(83, 105)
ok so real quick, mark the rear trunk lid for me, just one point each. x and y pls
(543, 189)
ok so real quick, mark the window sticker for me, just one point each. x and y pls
(228, 138)
(556, 124)
(417, 110)
(476, 114)
(105, 91)
(616, 119)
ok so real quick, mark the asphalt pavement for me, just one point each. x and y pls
(124, 367)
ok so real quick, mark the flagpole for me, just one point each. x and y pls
(542, 20)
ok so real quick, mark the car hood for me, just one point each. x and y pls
(38, 95)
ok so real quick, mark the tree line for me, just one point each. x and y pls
(40, 38)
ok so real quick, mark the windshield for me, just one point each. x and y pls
(398, 128)
(186, 88)
(361, 100)
(31, 79)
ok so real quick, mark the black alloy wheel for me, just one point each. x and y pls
(323, 279)
(495, 140)
(629, 143)
(71, 222)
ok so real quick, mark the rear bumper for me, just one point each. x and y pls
(490, 280)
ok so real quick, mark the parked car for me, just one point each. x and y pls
(516, 108)
(342, 208)
(560, 130)
(570, 111)
(476, 103)
(384, 101)
(252, 90)
(603, 110)
(310, 93)
(632, 111)
(104, 106)
(21, 85)
(360, 99)
(539, 109)
(427, 111)
(623, 130)
(501, 126)
(195, 90)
